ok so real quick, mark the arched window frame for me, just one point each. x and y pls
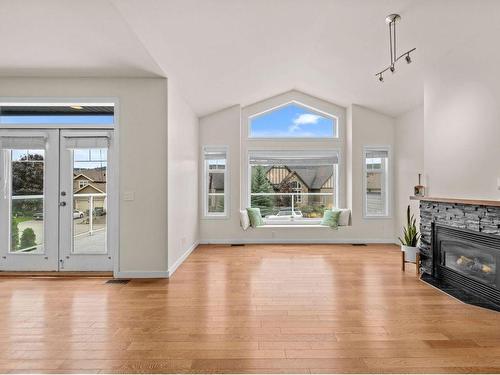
(249, 144)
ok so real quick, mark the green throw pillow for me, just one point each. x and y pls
(331, 218)
(255, 217)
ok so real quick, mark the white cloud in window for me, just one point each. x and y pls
(304, 119)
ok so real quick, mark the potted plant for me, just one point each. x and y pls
(410, 238)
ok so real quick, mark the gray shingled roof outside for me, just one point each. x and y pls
(313, 177)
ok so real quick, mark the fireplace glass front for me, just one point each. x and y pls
(472, 261)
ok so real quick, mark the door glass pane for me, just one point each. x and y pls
(27, 201)
(89, 200)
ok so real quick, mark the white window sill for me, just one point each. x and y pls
(292, 226)
(215, 217)
(291, 222)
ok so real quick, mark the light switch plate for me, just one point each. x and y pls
(128, 196)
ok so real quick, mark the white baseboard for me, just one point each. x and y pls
(298, 241)
(141, 274)
(156, 274)
(183, 257)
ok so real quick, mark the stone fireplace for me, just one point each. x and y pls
(460, 246)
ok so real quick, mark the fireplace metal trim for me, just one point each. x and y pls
(457, 279)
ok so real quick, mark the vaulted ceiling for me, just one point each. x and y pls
(225, 52)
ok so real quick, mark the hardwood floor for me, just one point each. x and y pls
(258, 308)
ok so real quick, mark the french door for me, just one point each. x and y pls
(54, 194)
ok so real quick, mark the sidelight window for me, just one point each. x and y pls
(215, 182)
(376, 182)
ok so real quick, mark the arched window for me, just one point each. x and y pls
(296, 141)
(292, 120)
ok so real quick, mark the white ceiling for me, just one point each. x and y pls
(225, 52)
(69, 38)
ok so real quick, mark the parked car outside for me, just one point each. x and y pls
(286, 214)
(38, 216)
(99, 211)
(78, 214)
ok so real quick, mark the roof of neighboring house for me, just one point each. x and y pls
(96, 175)
(93, 188)
(313, 177)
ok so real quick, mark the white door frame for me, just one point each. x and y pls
(113, 201)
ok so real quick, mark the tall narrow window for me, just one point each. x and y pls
(376, 182)
(216, 181)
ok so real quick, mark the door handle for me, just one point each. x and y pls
(62, 204)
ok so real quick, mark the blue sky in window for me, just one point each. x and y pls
(291, 121)
(95, 120)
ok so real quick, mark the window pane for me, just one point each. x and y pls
(376, 183)
(27, 201)
(279, 206)
(215, 203)
(89, 114)
(215, 184)
(292, 121)
(278, 189)
(89, 201)
(217, 164)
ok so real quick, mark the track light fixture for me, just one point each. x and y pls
(391, 20)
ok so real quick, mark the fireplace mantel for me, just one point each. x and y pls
(475, 202)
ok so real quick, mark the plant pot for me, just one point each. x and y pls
(410, 253)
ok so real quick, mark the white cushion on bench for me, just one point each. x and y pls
(345, 215)
(244, 219)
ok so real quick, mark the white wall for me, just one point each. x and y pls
(462, 120)
(143, 159)
(222, 129)
(409, 162)
(183, 156)
(367, 128)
